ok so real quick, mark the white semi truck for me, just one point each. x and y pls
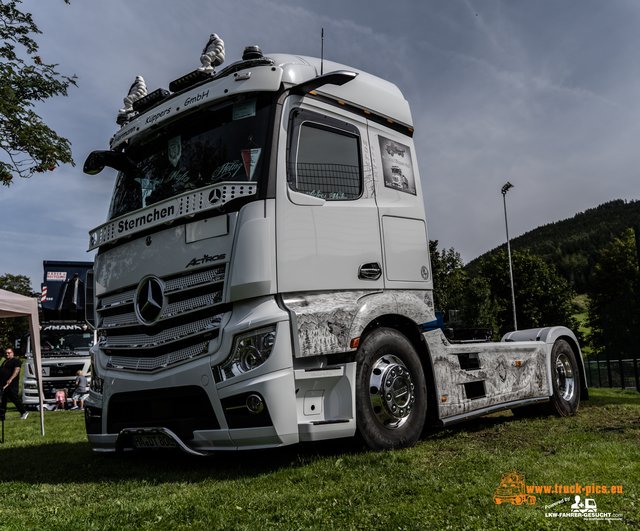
(65, 338)
(263, 280)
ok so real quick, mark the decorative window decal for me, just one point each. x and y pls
(250, 159)
(397, 167)
(174, 150)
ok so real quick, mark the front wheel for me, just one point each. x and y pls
(391, 392)
(565, 380)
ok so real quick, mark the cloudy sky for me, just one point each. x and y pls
(543, 94)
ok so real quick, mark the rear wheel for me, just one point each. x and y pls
(565, 380)
(391, 391)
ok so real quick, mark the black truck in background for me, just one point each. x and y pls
(65, 338)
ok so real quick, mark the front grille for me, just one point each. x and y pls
(192, 310)
(49, 388)
(142, 340)
(66, 369)
(52, 354)
(137, 363)
(181, 409)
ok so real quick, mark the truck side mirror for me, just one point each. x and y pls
(97, 160)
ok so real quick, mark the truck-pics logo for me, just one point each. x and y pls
(512, 489)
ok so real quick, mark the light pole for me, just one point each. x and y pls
(505, 189)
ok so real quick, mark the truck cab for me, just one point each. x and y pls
(263, 276)
(65, 337)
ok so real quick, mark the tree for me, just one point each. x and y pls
(454, 289)
(446, 267)
(10, 329)
(31, 146)
(543, 298)
(614, 276)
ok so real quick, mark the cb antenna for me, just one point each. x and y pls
(322, 53)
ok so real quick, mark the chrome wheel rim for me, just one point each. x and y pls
(391, 391)
(565, 379)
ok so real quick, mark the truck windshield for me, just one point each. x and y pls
(56, 340)
(226, 142)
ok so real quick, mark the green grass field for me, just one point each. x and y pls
(447, 481)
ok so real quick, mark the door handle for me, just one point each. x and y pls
(371, 271)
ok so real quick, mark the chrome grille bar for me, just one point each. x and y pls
(173, 309)
(169, 335)
(202, 277)
(183, 295)
(160, 362)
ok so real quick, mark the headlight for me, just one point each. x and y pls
(250, 350)
(96, 383)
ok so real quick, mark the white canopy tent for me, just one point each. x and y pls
(14, 305)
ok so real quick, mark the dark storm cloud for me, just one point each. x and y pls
(542, 94)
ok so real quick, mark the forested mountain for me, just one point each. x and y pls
(573, 244)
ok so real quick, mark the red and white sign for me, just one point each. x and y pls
(250, 159)
(44, 294)
(57, 275)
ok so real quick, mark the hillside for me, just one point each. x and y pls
(573, 244)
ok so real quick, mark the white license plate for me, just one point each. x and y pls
(45, 371)
(152, 441)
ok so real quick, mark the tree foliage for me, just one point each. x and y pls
(615, 275)
(543, 298)
(25, 79)
(454, 289)
(446, 267)
(573, 245)
(12, 328)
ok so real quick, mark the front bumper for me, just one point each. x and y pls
(278, 424)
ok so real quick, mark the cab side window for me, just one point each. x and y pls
(324, 157)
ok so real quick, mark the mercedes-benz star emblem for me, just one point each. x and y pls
(149, 300)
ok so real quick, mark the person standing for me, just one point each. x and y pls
(9, 372)
(81, 392)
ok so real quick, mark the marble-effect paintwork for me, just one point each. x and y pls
(327, 321)
(504, 381)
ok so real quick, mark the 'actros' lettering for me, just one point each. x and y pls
(141, 221)
(206, 258)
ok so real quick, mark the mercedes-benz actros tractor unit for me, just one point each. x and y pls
(263, 276)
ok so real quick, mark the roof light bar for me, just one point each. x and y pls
(188, 80)
(150, 100)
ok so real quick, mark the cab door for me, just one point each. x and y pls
(327, 227)
(399, 199)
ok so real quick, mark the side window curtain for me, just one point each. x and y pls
(324, 157)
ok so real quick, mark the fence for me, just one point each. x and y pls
(623, 374)
(618, 366)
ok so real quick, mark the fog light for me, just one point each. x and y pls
(255, 404)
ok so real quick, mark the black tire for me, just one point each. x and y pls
(565, 380)
(391, 392)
